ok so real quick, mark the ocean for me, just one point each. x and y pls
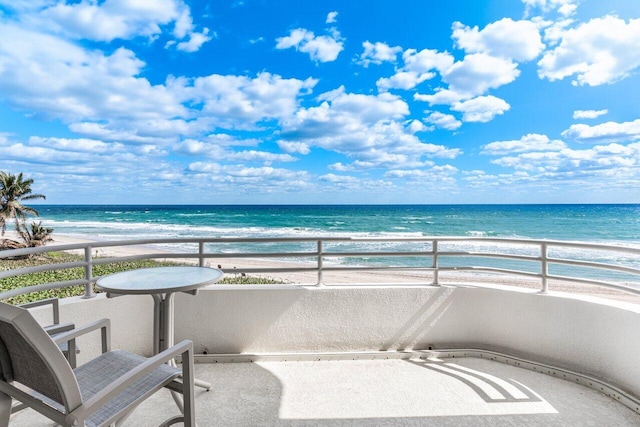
(592, 223)
(606, 224)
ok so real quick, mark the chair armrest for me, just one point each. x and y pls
(55, 305)
(103, 324)
(59, 328)
(183, 348)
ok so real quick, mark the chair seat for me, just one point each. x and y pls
(95, 375)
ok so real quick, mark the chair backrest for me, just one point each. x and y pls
(29, 356)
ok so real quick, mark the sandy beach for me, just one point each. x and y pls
(241, 266)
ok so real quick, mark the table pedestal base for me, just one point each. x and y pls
(163, 330)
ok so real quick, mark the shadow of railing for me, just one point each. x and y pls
(490, 388)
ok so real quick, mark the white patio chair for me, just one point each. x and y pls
(69, 349)
(101, 392)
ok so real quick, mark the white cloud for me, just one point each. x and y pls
(226, 140)
(109, 133)
(103, 96)
(111, 19)
(195, 42)
(194, 146)
(609, 131)
(418, 67)
(427, 60)
(81, 164)
(75, 145)
(479, 72)
(489, 64)
(506, 38)
(470, 77)
(403, 80)
(59, 79)
(340, 167)
(365, 108)
(294, 39)
(416, 126)
(444, 121)
(323, 48)
(439, 97)
(294, 147)
(265, 178)
(212, 148)
(213, 145)
(563, 7)
(332, 17)
(232, 100)
(597, 52)
(183, 24)
(159, 130)
(366, 128)
(259, 156)
(607, 161)
(319, 48)
(354, 184)
(537, 159)
(481, 109)
(435, 173)
(377, 53)
(339, 179)
(528, 143)
(589, 114)
(120, 19)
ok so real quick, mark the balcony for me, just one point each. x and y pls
(445, 344)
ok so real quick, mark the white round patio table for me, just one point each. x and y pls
(161, 283)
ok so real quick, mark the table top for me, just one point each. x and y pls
(159, 280)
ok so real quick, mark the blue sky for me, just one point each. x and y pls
(294, 102)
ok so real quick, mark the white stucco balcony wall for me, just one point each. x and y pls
(589, 336)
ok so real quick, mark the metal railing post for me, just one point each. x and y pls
(320, 263)
(88, 273)
(544, 266)
(434, 245)
(201, 254)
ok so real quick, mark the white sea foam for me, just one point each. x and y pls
(118, 230)
(127, 230)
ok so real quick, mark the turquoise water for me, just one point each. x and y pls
(599, 223)
(608, 224)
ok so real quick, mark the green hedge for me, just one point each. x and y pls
(78, 273)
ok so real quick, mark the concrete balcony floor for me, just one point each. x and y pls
(393, 392)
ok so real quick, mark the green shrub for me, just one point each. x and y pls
(66, 274)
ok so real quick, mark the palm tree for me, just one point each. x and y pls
(36, 235)
(13, 190)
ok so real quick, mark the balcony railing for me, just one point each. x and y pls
(609, 266)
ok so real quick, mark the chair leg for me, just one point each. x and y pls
(72, 353)
(188, 391)
(5, 409)
(172, 421)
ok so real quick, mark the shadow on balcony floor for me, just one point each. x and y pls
(452, 392)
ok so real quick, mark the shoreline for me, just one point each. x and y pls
(367, 277)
